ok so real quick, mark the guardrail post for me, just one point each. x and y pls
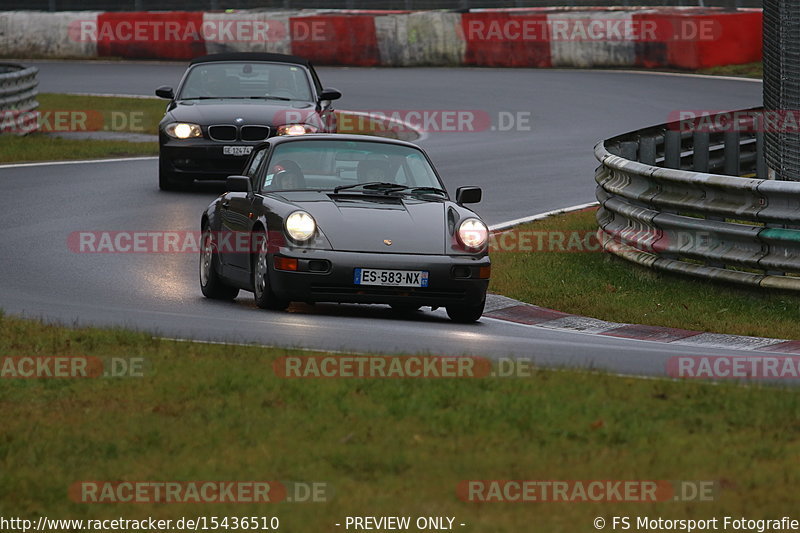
(761, 162)
(731, 164)
(629, 150)
(672, 149)
(700, 157)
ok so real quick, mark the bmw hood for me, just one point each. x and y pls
(385, 224)
(256, 112)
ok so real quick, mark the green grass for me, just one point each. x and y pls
(386, 447)
(603, 286)
(86, 113)
(109, 113)
(38, 147)
(748, 70)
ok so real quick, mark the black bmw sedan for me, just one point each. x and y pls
(225, 104)
(345, 218)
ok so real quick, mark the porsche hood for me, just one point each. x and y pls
(377, 223)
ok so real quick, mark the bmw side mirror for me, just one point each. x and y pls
(238, 184)
(330, 94)
(165, 92)
(468, 195)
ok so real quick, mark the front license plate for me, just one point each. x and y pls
(236, 150)
(392, 278)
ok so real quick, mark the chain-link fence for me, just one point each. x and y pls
(200, 5)
(782, 83)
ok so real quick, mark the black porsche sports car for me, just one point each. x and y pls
(345, 218)
(227, 103)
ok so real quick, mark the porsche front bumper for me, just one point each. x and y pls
(328, 276)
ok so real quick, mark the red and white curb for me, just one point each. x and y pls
(502, 308)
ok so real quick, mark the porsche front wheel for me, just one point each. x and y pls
(210, 282)
(466, 314)
(262, 292)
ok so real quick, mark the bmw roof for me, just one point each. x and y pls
(250, 56)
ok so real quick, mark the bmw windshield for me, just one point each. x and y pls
(256, 80)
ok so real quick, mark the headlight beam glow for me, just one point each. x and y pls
(300, 226)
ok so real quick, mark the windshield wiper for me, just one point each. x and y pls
(238, 98)
(261, 98)
(434, 190)
(372, 185)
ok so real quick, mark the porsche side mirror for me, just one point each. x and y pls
(165, 92)
(238, 184)
(330, 94)
(468, 195)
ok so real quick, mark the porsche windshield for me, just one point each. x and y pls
(276, 81)
(352, 165)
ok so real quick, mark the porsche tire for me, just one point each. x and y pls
(210, 283)
(466, 314)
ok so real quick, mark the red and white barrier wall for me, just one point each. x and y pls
(527, 37)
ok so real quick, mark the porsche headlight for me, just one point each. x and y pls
(300, 226)
(297, 129)
(473, 233)
(183, 130)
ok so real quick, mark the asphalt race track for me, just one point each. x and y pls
(522, 173)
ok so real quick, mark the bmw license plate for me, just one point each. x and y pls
(392, 278)
(236, 150)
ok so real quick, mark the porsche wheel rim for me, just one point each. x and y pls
(206, 257)
(261, 270)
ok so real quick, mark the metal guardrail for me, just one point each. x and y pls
(661, 208)
(18, 91)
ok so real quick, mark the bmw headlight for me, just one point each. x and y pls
(297, 129)
(473, 233)
(183, 130)
(300, 226)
